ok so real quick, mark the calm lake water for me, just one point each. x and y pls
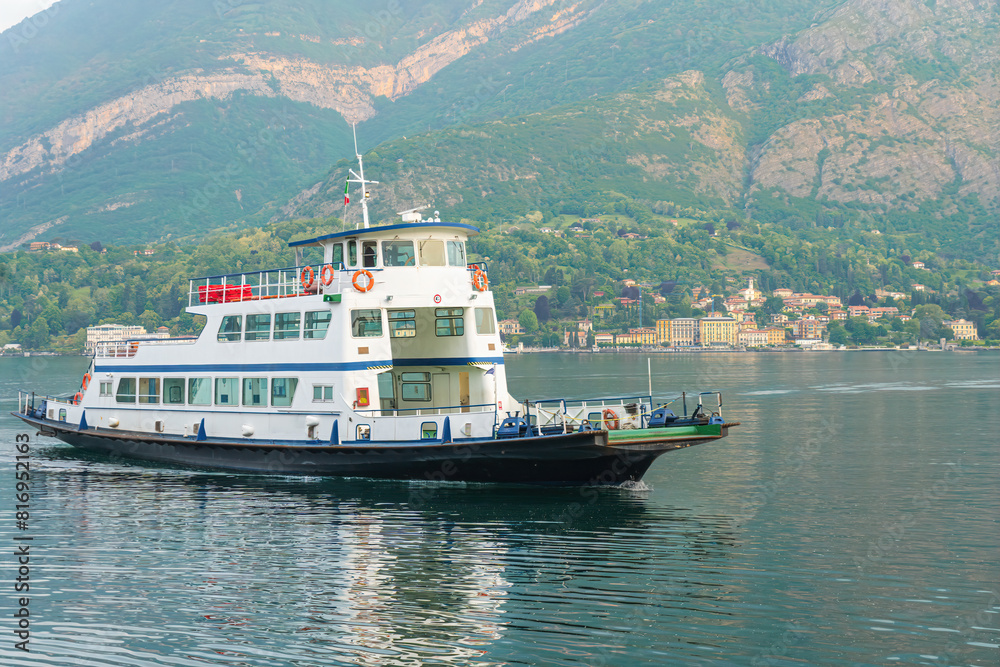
(853, 519)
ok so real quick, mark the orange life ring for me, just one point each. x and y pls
(326, 275)
(370, 283)
(86, 381)
(77, 398)
(610, 418)
(306, 284)
(480, 281)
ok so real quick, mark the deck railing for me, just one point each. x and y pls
(268, 284)
(569, 414)
(280, 283)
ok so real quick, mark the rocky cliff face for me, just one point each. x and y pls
(348, 90)
(900, 104)
(886, 104)
(918, 105)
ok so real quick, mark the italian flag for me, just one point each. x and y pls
(347, 200)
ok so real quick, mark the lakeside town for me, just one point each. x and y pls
(802, 320)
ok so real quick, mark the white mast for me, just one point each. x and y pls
(360, 178)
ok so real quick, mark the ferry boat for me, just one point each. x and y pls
(383, 360)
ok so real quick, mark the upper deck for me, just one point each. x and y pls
(356, 261)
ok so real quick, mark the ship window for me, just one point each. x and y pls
(398, 253)
(286, 325)
(200, 391)
(149, 390)
(449, 322)
(415, 386)
(259, 326)
(173, 391)
(317, 322)
(254, 391)
(366, 323)
(338, 256)
(369, 254)
(106, 388)
(429, 431)
(282, 391)
(352, 253)
(484, 321)
(227, 391)
(364, 432)
(229, 330)
(322, 393)
(456, 253)
(431, 253)
(126, 390)
(402, 323)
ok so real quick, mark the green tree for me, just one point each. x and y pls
(528, 320)
(37, 337)
(542, 308)
(838, 334)
(150, 321)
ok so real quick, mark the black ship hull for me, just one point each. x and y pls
(582, 458)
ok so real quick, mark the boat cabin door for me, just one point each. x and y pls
(441, 390)
(386, 393)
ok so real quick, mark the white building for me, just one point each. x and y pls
(752, 338)
(106, 333)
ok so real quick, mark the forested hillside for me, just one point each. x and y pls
(121, 122)
(47, 298)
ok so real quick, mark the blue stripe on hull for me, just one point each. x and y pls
(290, 367)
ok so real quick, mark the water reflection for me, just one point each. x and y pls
(319, 571)
(866, 538)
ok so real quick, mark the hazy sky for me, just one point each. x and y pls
(13, 11)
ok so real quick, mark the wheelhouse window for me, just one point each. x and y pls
(415, 386)
(449, 322)
(456, 253)
(398, 253)
(149, 390)
(173, 391)
(283, 391)
(352, 253)
(230, 328)
(402, 323)
(286, 325)
(227, 391)
(431, 252)
(199, 391)
(258, 326)
(369, 254)
(338, 255)
(317, 323)
(366, 323)
(322, 393)
(485, 324)
(126, 390)
(255, 392)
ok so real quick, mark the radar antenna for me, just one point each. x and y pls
(412, 214)
(359, 178)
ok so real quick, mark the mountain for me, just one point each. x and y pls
(120, 122)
